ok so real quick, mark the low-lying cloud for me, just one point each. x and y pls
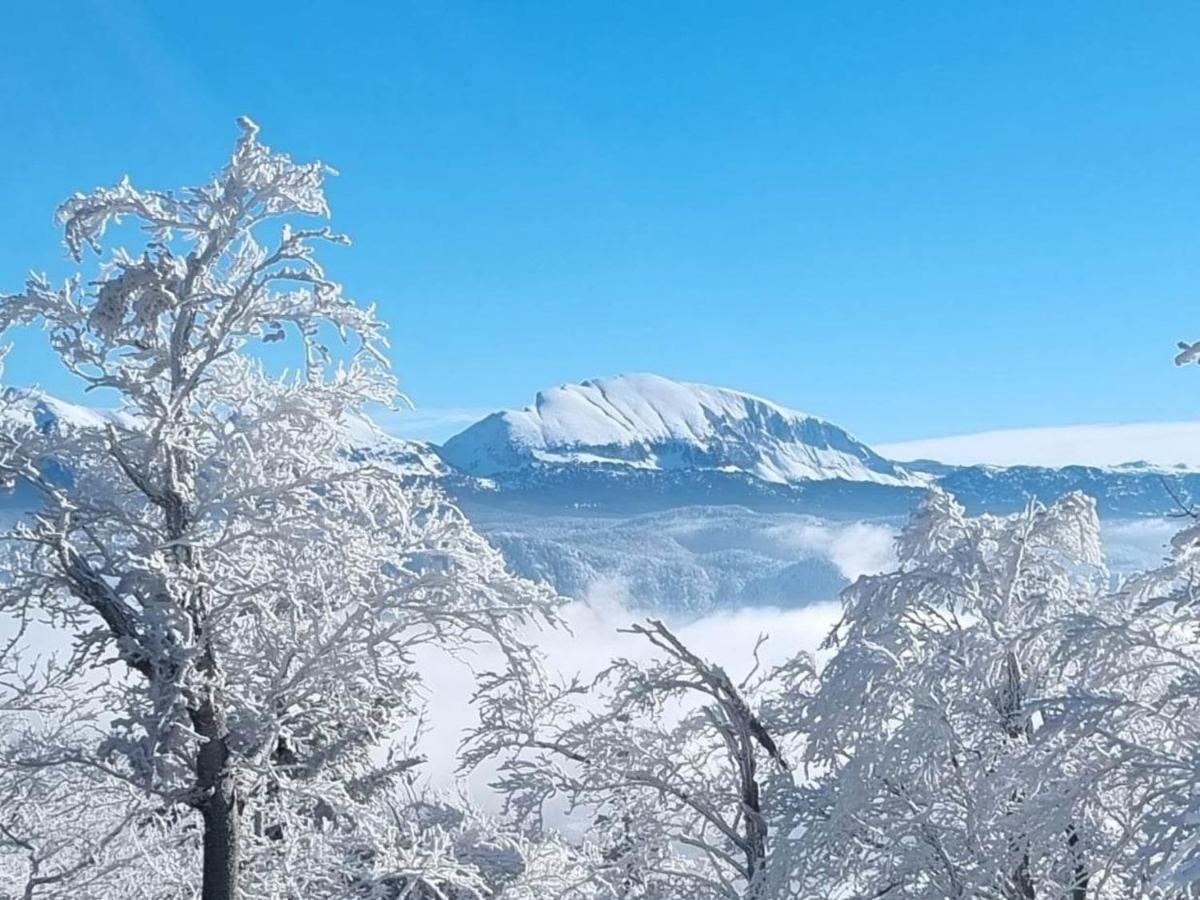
(856, 548)
(1161, 443)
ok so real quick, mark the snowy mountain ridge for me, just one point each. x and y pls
(638, 443)
(685, 497)
(648, 422)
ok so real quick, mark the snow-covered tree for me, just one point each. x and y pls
(928, 734)
(243, 591)
(683, 772)
(450, 851)
(1136, 701)
(1133, 708)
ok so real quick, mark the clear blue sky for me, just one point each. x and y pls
(912, 218)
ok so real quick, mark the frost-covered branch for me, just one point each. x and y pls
(245, 589)
(682, 770)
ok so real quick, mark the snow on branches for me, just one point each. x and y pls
(251, 588)
(928, 718)
(683, 772)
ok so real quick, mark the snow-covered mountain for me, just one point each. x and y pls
(684, 498)
(650, 423)
(634, 444)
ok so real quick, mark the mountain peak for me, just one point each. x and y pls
(646, 421)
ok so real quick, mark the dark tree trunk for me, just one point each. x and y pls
(218, 806)
(1022, 882)
(221, 846)
(1079, 887)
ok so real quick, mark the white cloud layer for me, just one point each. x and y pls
(1160, 443)
(856, 548)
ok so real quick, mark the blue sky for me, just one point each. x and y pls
(912, 218)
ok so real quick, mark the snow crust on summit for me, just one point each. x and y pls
(645, 421)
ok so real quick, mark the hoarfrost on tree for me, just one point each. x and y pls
(252, 588)
(938, 773)
(683, 772)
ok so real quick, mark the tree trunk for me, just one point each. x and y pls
(219, 806)
(221, 845)
(1022, 881)
(1079, 888)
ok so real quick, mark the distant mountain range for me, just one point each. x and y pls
(691, 497)
(641, 442)
(635, 443)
